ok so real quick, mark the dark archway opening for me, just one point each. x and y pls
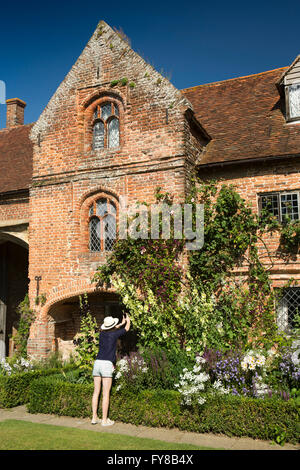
(13, 288)
(65, 319)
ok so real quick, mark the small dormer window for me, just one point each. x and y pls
(293, 92)
(289, 85)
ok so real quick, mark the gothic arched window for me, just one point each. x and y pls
(106, 127)
(102, 225)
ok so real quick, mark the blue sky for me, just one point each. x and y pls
(192, 42)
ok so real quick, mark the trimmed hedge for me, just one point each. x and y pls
(14, 389)
(230, 415)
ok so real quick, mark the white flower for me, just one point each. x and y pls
(261, 360)
(123, 365)
(261, 388)
(217, 384)
(201, 400)
(200, 360)
(295, 357)
(203, 377)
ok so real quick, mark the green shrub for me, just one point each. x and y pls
(26, 317)
(14, 389)
(163, 368)
(54, 395)
(87, 339)
(230, 415)
(53, 361)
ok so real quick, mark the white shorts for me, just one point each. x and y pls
(103, 368)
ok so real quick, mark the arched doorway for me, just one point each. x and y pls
(13, 287)
(64, 321)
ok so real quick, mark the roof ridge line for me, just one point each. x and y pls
(235, 78)
(7, 129)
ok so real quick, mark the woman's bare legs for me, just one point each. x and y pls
(107, 381)
(95, 399)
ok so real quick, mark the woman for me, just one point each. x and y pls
(104, 364)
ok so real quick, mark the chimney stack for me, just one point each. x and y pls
(14, 112)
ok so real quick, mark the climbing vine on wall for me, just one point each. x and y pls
(25, 320)
(224, 310)
(87, 339)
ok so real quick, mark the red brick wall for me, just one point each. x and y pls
(14, 207)
(253, 179)
(68, 175)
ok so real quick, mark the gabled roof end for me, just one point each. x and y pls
(281, 78)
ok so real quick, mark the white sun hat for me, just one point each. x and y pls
(109, 322)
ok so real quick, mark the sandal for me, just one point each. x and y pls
(108, 422)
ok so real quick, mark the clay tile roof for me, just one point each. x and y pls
(16, 152)
(244, 117)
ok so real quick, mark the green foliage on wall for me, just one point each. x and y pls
(26, 318)
(209, 305)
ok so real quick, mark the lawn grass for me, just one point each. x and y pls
(23, 435)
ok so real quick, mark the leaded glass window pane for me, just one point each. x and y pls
(109, 232)
(287, 309)
(101, 207)
(112, 208)
(113, 133)
(96, 113)
(105, 111)
(91, 211)
(116, 110)
(289, 206)
(95, 244)
(270, 203)
(294, 100)
(98, 137)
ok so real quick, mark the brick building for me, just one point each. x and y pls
(115, 127)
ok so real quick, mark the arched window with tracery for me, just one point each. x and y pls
(106, 126)
(102, 225)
